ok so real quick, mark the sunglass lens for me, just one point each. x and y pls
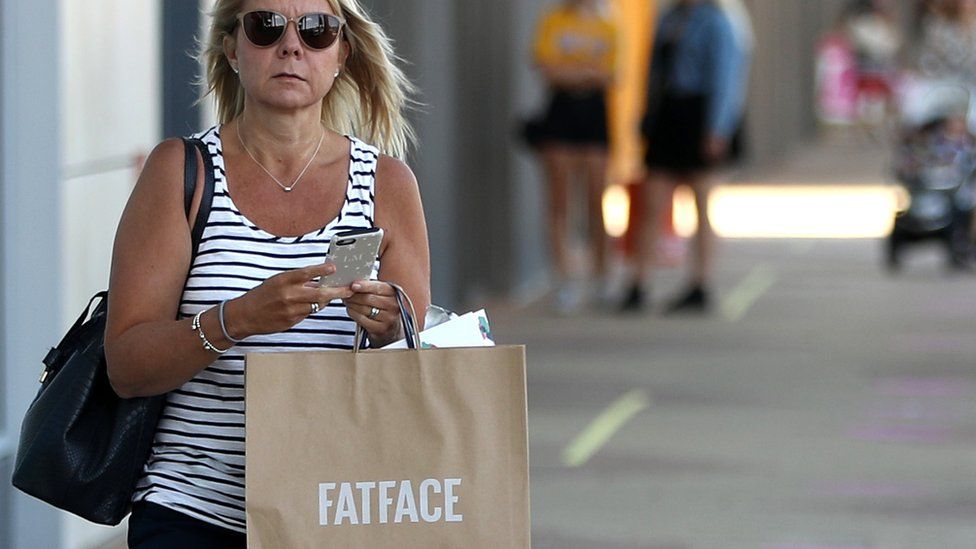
(319, 30)
(263, 28)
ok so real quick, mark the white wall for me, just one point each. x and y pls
(110, 101)
(111, 108)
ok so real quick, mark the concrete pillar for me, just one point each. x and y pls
(181, 23)
(30, 209)
(480, 189)
(424, 36)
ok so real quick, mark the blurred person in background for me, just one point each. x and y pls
(299, 85)
(945, 44)
(575, 50)
(872, 30)
(696, 95)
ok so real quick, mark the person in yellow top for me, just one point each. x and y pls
(575, 51)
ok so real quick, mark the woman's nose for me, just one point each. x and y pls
(290, 43)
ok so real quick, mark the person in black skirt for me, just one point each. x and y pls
(575, 51)
(695, 97)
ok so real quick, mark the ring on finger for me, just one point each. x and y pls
(315, 307)
(373, 313)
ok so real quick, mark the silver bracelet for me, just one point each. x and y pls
(223, 327)
(206, 342)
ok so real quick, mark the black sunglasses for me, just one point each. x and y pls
(317, 30)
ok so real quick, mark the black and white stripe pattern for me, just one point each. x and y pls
(197, 461)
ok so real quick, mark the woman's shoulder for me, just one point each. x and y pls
(397, 198)
(167, 159)
(167, 155)
(393, 173)
(172, 149)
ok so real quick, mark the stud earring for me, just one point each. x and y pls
(336, 75)
(236, 70)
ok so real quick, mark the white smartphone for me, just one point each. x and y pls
(353, 253)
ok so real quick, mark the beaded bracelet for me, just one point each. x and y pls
(223, 327)
(206, 342)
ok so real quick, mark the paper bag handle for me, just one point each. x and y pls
(407, 316)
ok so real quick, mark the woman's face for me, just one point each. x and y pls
(287, 74)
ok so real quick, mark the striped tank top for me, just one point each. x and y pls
(196, 466)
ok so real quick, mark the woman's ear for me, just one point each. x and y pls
(345, 48)
(230, 51)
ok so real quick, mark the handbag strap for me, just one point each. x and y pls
(191, 148)
(51, 358)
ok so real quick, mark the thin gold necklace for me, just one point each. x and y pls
(286, 188)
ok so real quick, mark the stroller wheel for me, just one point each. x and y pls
(960, 248)
(893, 254)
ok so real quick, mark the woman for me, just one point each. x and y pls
(575, 50)
(290, 77)
(695, 98)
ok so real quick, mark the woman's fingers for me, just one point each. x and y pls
(308, 274)
(378, 324)
(374, 307)
(374, 287)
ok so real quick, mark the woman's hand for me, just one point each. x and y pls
(715, 148)
(374, 307)
(281, 302)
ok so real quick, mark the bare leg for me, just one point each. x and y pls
(695, 298)
(704, 242)
(657, 188)
(557, 163)
(595, 164)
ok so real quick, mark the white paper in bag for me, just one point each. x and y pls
(469, 330)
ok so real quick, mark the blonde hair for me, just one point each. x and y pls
(367, 100)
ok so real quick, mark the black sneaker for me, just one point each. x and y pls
(634, 300)
(694, 301)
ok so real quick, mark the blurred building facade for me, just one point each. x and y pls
(76, 115)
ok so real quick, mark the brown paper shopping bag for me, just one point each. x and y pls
(387, 448)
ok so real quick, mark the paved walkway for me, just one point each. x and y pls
(825, 404)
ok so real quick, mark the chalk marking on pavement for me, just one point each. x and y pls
(737, 303)
(603, 427)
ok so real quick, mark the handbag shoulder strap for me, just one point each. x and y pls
(192, 147)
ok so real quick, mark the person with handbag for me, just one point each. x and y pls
(310, 107)
(575, 51)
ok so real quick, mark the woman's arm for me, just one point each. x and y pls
(727, 66)
(147, 351)
(404, 257)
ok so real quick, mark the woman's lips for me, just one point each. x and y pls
(289, 76)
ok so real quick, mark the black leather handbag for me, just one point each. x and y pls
(82, 448)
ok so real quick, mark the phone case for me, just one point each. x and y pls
(354, 255)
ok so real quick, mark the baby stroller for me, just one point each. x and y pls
(935, 165)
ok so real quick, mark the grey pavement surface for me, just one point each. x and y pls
(838, 412)
(825, 404)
